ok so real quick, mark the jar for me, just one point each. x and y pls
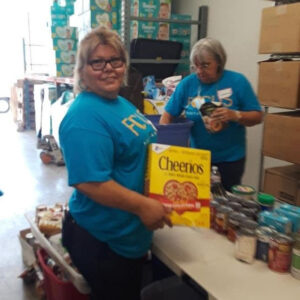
(263, 234)
(280, 253)
(245, 243)
(234, 220)
(266, 201)
(246, 192)
(221, 219)
(295, 266)
(213, 211)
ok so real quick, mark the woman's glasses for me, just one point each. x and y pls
(100, 64)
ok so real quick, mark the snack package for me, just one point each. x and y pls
(179, 177)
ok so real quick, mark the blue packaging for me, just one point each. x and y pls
(280, 223)
(294, 217)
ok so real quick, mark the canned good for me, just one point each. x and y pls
(249, 212)
(295, 265)
(245, 243)
(221, 200)
(213, 211)
(263, 234)
(234, 220)
(235, 205)
(221, 219)
(280, 253)
(246, 192)
(30, 239)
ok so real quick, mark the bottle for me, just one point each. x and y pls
(217, 188)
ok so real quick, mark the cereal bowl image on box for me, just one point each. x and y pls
(179, 177)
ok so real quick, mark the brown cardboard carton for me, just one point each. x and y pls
(282, 136)
(280, 29)
(283, 183)
(279, 83)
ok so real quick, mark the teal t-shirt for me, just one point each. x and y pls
(234, 91)
(103, 140)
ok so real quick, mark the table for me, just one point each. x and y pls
(208, 259)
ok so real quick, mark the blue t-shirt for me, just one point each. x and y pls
(234, 91)
(105, 140)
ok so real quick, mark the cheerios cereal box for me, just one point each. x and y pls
(179, 177)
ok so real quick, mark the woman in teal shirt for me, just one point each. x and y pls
(231, 105)
(104, 139)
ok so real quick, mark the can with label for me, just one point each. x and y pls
(221, 218)
(280, 253)
(295, 266)
(263, 234)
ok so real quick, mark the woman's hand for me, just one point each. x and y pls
(154, 215)
(224, 114)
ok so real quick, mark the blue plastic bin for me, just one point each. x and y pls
(176, 133)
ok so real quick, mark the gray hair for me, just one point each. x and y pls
(211, 46)
(98, 36)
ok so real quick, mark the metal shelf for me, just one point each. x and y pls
(125, 28)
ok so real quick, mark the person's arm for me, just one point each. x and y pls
(151, 212)
(246, 118)
(166, 118)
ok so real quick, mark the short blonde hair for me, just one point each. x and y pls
(98, 36)
(211, 46)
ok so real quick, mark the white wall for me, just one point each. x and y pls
(236, 23)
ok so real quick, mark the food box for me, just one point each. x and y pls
(279, 83)
(179, 177)
(283, 183)
(280, 29)
(281, 136)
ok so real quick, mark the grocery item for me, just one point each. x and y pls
(246, 192)
(245, 243)
(295, 266)
(217, 188)
(179, 177)
(234, 220)
(221, 219)
(263, 234)
(280, 253)
(280, 223)
(266, 201)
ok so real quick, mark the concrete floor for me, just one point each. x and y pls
(26, 182)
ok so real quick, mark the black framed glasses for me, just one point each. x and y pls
(100, 64)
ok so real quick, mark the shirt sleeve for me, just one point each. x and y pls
(247, 97)
(88, 155)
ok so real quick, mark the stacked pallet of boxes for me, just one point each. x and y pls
(64, 38)
(177, 32)
(279, 86)
(92, 13)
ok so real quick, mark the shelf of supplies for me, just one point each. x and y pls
(45, 78)
(189, 22)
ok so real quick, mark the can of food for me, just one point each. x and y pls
(235, 205)
(280, 253)
(263, 234)
(213, 211)
(247, 192)
(234, 220)
(295, 266)
(221, 219)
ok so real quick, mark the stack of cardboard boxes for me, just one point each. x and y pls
(279, 86)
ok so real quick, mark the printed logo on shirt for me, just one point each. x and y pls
(225, 93)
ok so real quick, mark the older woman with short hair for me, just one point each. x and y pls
(104, 138)
(221, 103)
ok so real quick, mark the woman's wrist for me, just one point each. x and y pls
(238, 115)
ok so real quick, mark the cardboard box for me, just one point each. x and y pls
(279, 83)
(282, 136)
(280, 29)
(283, 183)
(179, 177)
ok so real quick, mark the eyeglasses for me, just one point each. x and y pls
(100, 64)
(202, 66)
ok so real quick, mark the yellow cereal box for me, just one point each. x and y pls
(179, 177)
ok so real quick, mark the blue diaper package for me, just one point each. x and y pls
(279, 223)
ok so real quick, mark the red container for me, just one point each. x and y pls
(55, 288)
